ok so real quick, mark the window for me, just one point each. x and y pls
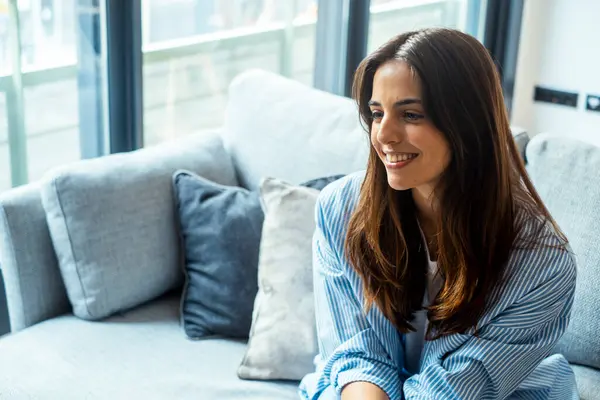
(49, 78)
(53, 71)
(189, 65)
(52, 125)
(4, 153)
(392, 17)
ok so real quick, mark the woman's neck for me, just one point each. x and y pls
(427, 215)
(427, 209)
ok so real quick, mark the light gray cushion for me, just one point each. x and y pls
(588, 382)
(565, 173)
(140, 355)
(281, 128)
(283, 340)
(113, 223)
(34, 288)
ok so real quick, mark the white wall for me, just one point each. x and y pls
(559, 49)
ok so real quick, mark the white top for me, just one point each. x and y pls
(413, 343)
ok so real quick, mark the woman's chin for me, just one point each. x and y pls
(398, 184)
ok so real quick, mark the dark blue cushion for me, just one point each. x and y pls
(221, 229)
(320, 183)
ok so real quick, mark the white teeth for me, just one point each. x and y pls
(394, 158)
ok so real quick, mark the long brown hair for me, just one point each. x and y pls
(480, 193)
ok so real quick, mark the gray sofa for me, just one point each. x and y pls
(275, 127)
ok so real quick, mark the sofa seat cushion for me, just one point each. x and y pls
(141, 354)
(588, 382)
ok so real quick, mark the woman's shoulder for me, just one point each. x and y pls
(545, 248)
(540, 264)
(334, 209)
(341, 196)
(541, 246)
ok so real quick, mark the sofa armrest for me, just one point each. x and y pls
(34, 287)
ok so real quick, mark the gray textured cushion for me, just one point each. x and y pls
(281, 128)
(112, 222)
(34, 288)
(565, 172)
(588, 382)
(220, 227)
(283, 341)
(140, 355)
(321, 183)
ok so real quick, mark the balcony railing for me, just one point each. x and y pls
(185, 82)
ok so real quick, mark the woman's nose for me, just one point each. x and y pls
(388, 132)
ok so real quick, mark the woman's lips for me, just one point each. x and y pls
(398, 164)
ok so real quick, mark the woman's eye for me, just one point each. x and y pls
(412, 117)
(376, 115)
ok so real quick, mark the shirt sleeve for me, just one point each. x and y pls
(349, 348)
(507, 349)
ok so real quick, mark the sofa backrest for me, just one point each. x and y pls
(277, 127)
(98, 236)
(34, 288)
(566, 173)
(283, 129)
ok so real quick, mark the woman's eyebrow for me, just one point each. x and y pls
(398, 103)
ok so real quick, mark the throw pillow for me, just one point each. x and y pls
(220, 228)
(112, 223)
(284, 306)
(320, 183)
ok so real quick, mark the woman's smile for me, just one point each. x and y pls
(398, 160)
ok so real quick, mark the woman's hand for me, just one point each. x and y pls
(363, 391)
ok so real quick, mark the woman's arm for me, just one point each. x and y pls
(353, 357)
(507, 349)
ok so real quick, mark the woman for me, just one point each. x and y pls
(439, 273)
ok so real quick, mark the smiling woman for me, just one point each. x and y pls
(439, 272)
(401, 134)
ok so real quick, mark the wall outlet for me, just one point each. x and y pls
(592, 102)
(546, 95)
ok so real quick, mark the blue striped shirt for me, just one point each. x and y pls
(511, 357)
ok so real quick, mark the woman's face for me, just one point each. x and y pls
(415, 153)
